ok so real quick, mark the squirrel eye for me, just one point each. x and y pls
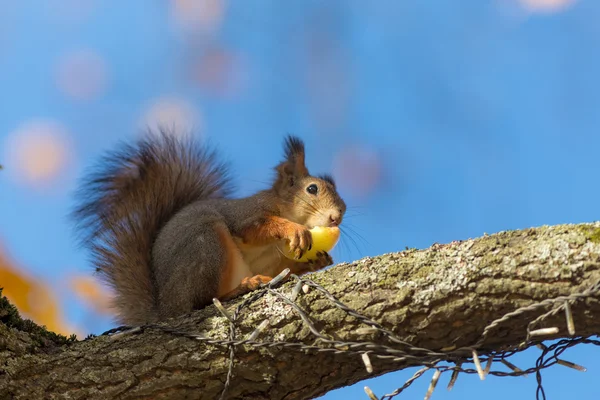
(312, 189)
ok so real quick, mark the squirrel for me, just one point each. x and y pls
(166, 234)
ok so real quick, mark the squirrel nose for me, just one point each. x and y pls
(335, 218)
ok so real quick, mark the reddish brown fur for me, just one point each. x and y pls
(273, 228)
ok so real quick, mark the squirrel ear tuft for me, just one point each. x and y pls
(293, 166)
(294, 146)
(294, 156)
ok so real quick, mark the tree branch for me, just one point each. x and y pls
(440, 299)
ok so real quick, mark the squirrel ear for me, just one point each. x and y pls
(294, 157)
(293, 166)
(294, 154)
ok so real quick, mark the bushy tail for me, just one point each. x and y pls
(128, 197)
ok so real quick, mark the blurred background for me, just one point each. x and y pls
(440, 121)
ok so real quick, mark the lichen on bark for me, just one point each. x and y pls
(438, 298)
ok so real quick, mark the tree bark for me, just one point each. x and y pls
(439, 298)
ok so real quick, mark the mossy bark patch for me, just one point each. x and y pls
(438, 298)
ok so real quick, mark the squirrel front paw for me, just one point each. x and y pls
(299, 240)
(323, 260)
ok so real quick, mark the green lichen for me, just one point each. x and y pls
(424, 271)
(387, 281)
(10, 317)
(591, 233)
(594, 235)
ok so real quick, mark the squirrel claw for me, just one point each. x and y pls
(300, 241)
(323, 260)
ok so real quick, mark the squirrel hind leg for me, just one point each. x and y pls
(196, 260)
(190, 262)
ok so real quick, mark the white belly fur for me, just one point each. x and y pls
(263, 260)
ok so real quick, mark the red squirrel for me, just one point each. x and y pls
(168, 237)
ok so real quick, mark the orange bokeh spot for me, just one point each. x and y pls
(358, 169)
(218, 71)
(37, 152)
(546, 5)
(174, 115)
(91, 292)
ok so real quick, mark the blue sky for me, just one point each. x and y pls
(441, 120)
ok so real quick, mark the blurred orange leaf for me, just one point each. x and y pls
(91, 292)
(32, 298)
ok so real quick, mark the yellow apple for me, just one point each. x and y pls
(324, 239)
